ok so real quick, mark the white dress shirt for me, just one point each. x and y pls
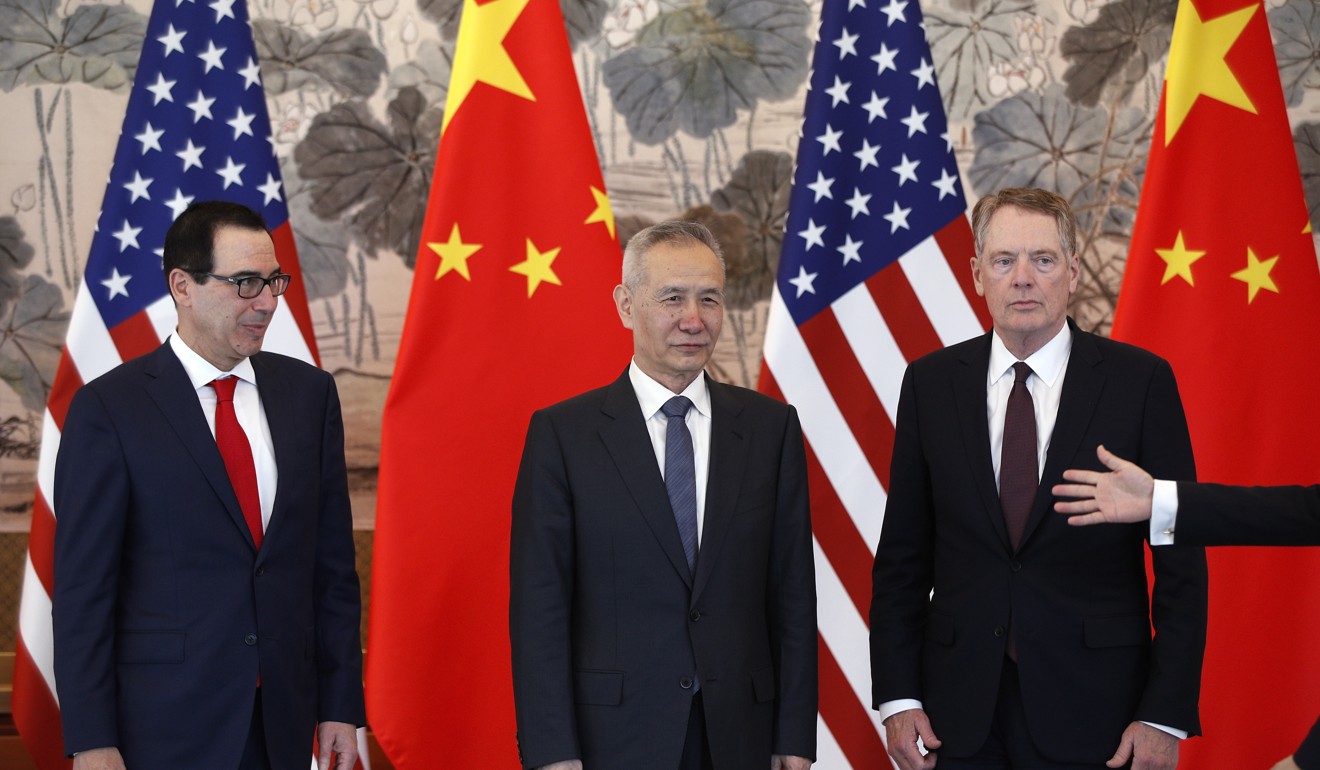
(1163, 512)
(247, 407)
(652, 395)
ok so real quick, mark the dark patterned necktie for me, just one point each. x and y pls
(681, 474)
(1018, 473)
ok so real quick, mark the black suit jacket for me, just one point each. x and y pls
(1075, 597)
(608, 628)
(1212, 514)
(164, 614)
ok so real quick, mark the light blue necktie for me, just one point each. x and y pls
(681, 475)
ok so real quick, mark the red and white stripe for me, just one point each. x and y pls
(843, 370)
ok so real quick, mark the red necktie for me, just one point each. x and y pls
(237, 454)
(1018, 476)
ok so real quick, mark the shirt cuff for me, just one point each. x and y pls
(1163, 512)
(1175, 732)
(892, 707)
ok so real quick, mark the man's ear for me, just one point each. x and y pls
(180, 285)
(623, 302)
(976, 276)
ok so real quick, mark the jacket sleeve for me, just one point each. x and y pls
(901, 576)
(793, 602)
(337, 593)
(1178, 599)
(92, 499)
(541, 559)
(1212, 514)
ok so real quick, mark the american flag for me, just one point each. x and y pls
(874, 273)
(196, 129)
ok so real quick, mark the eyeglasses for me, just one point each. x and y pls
(250, 286)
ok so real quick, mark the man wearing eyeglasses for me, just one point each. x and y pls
(206, 605)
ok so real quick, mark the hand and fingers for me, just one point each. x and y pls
(1148, 748)
(902, 730)
(99, 759)
(339, 738)
(1123, 495)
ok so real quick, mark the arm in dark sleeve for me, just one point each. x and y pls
(1212, 514)
(1178, 599)
(338, 596)
(902, 576)
(541, 566)
(793, 602)
(91, 505)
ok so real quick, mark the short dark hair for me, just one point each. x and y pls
(1029, 199)
(674, 231)
(190, 241)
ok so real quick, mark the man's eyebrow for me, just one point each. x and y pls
(256, 273)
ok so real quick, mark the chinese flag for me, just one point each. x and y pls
(1222, 281)
(510, 311)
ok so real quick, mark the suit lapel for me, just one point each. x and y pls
(728, 455)
(970, 397)
(1082, 385)
(168, 385)
(629, 445)
(277, 403)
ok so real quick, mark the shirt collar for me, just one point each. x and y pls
(652, 395)
(201, 372)
(1046, 363)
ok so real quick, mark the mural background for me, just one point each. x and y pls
(695, 107)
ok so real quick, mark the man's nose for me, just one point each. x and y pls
(689, 318)
(1024, 273)
(266, 300)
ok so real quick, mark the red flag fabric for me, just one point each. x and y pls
(1222, 281)
(196, 128)
(510, 311)
(874, 273)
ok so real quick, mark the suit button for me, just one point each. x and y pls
(250, 639)
(261, 571)
(1016, 566)
(685, 683)
(999, 631)
(694, 615)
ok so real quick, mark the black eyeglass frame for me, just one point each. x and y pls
(252, 280)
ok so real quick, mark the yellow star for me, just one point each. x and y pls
(1197, 67)
(537, 267)
(604, 212)
(480, 56)
(1178, 261)
(454, 254)
(1256, 275)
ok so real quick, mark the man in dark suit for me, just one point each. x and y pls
(663, 605)
(1000, 637)
(206, 610)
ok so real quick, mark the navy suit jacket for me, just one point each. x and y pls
(1076, 597)
(164, 614)
(609, 628)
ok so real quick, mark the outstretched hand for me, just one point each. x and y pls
(1121, 496)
